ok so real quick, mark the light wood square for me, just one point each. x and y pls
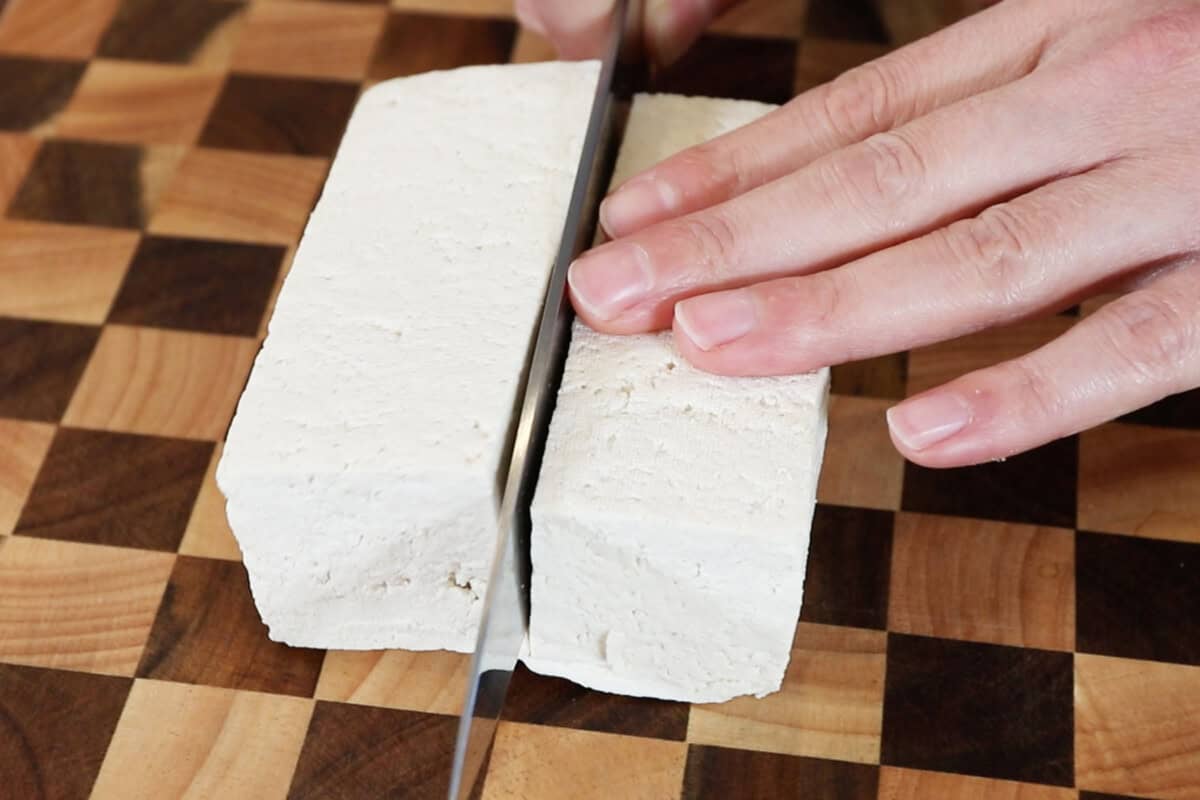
(23, 445)
(78, 606)
(531, 47)
(165, 383)
(983, 581)
(250, 197)
(311, 39)
(133, 102)
(934, 365)
(1136, 728)
(909, 784)
(64, 273)
(535, 762)
(830, 706)
(208, 532)
(1141, 480)
(16, 154)
(54, 28)
(415, 681)
(180, 741)
(862, 468)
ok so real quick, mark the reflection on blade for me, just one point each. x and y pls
(505, 617)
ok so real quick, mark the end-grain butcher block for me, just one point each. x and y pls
(672, 514)
(361, 468)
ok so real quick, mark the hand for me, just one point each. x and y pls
(1028, 157)
(577, 27)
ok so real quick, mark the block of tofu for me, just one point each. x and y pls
(361, 469)
(672, 514)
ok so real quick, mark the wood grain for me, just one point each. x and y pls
(864, 469)
(179, 31)
(822, 60)
(313, 39)
(24, 446)
(208, 632)
(884, 376)
(1140, 480)
(720, 772)
(132, 102)
(116, 489)
(41, 366)
(353, 752)
(173, 384)
(983, 581)
(458, 8)
(416, 43)
(1135, 727)
(908, 784)
(55, 28)
(68, 273)
(247, 197)
(76, 606)
(535, 762)
(16, 154)
(54, 729)
(830, 706)
(208, 533)
(415, 681)
(764, 18)
(193, 742)
(34, 90)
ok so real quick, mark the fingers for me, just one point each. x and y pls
(1004, 44)
(1137, 349)
(892, 186)
(1036, 252)
(578, 28)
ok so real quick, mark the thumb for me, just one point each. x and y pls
(673, 25)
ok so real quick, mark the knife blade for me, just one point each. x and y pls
(505, 619)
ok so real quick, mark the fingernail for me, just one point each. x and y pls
(611, 280)
(713, 320)
(626, 209)
(928, 419)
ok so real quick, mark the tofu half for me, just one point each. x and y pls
(672, 514)
(362, 467)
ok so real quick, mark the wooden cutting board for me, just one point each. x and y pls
(1018, 629)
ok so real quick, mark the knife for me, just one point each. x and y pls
(505, 619)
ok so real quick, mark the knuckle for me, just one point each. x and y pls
(857, 103)
(1149, 335)
(1158, 43)
(1036, 393)
(878, 176)
(994, 252)
(709, 238)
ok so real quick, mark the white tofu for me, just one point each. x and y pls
(361, 469)
(672, 515)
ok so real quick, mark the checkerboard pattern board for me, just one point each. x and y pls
(1026, 629)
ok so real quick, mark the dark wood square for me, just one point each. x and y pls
(1038, 487)
(884, 376)
(164, 30)
(741, 67)
(41, 365)
(55, 727)
(854, 20)
(414, 43)
(849, 567)
(280, 115)
(116, 488)
(1137, 598)
(354, 752)
(84, 182)
(719, 772)
(208, 631)
(979, 709)
(1177, 411)
(546, 700)
(32, 90)
(199, 285)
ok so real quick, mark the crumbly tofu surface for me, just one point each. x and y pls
(361, 469)
(672, 514)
